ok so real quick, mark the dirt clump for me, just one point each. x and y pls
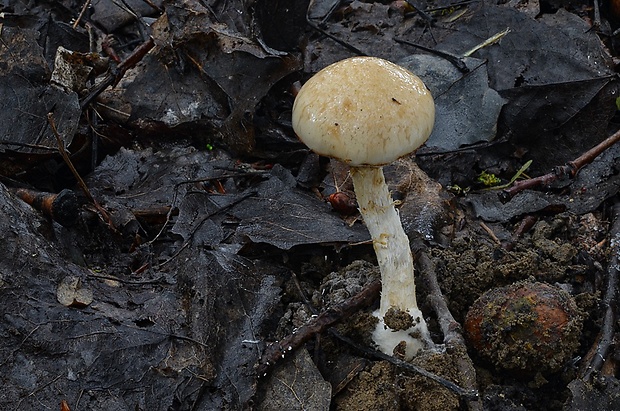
(398, 319)
(472, 265)
(383, 387)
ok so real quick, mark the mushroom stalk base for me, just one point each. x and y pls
(416, 337)
(395, 260)
(389, 240)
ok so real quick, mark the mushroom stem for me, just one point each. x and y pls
(389, 240)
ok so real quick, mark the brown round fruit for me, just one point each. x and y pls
(526, 326)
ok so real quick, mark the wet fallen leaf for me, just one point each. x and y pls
(284, 216)
(535, 51)
(203, 80)
(27, 99)
(296, 385)
(467, 109)
(71, 293)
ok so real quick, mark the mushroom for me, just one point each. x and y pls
(368, 112)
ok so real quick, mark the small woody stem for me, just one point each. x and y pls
(390, 242)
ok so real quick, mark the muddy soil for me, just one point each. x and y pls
(563, 252)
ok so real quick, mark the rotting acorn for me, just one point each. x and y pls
(526, 327)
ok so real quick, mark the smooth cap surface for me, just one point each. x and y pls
(364, 111)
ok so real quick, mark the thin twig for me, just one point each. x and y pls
(418, 8)
(451, 330)
(490, 233)
(451, 6)
(456, 61)
(158, 280)
(79, 18)
(491, 40)
(524, 226)
(335, 6)
(596, 24)
(63, 152)
(570, 169)
(276, 351)
(336, 39)
(154, 6)
(108, 49)
(116, 75)
(606, 338)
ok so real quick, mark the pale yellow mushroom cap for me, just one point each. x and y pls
(364, 111)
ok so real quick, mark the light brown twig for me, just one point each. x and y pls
(600, 352)
(63, 152)
(79, 18)
(450, 328)
(116, 75)
(570, 169)
(278, 350)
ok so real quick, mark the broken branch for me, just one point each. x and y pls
(114, 76)
(63, 152)
(451, 330)
(570, 169)
(276, 351)
(601, 350)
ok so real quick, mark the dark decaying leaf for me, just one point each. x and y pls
(296, 385)
(50, 32)
(198, 222)
(562, 119)
(21, 55)
(27, 98)
(228, 298)
(281, 24)
(146, 180)
(284, 216)
(274, 211)
(551, 50)
(550, 71)
(466, 109)
(112, 15)
(194, 325)
(156, 97)
(547, 107)
(203, 81)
